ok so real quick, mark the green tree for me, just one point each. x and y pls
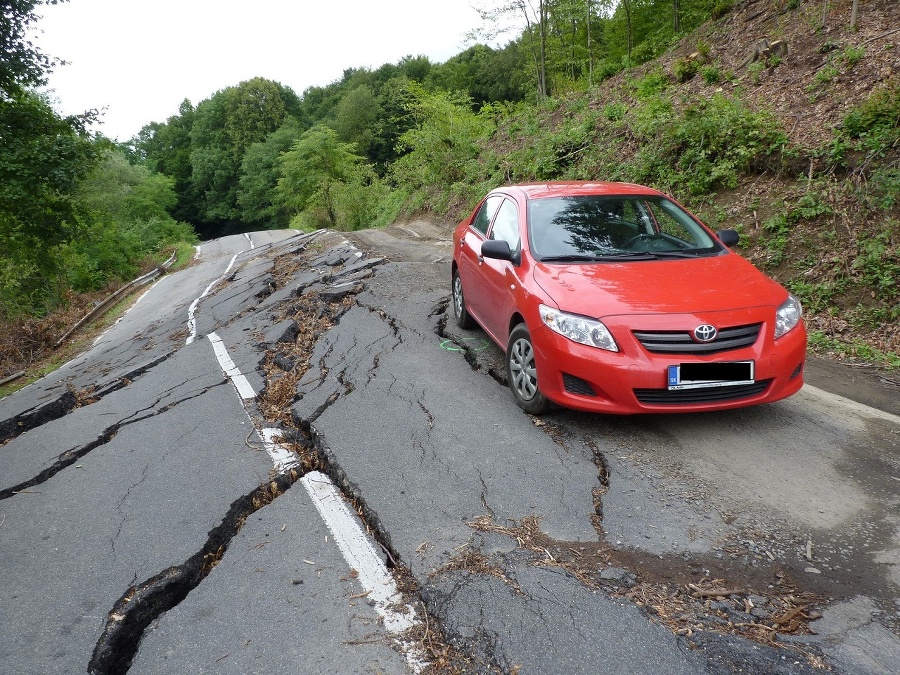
(166, 148)
(446, 140)
(356, 117)
(42, 159)
(214, 164)
(260, 171)
(499, 15)
(224, 127)
(313, 171)
(254, 109)
(22, 65)
(393, 121)
(487, 75)
(123, 220)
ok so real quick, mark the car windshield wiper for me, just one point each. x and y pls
(677, 254)
(600, 257)
(572, 257)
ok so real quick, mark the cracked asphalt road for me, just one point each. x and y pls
(145, 528)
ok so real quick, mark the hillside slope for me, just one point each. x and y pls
(777, 120)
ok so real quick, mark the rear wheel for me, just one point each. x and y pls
(463, 318)
(522, 372)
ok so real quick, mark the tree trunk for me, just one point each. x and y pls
(589, 54)
(542, 9)
(854, 12)
(627, 5)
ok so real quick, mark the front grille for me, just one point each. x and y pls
(681, 342)
(701, 395)
(575, 385)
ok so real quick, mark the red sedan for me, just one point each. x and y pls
(610, 297)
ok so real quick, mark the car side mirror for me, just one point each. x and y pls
(728, 237)
(498, 249)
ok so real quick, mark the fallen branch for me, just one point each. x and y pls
(755, 625)
(715, 592)
(878, 37)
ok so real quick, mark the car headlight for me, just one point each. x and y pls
(578, 328)
(787, 316)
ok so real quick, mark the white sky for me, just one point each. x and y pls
(139, 59)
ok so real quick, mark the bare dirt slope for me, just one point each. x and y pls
(811, 87)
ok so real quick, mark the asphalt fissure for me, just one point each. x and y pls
(68, 401)
(143, 603)
(69, 457)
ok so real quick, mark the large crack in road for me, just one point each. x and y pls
(68, 401)
(143, 603)
(691, 594)
(285, 362)
(734, 591)
(69, 457)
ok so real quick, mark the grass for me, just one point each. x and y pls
(820, 343)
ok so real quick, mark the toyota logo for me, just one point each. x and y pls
(705, 333)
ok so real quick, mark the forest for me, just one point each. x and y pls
(662, 92)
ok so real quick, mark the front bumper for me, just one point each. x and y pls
(634, 380)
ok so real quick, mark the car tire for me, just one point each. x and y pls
(522, 372)
(463, 318)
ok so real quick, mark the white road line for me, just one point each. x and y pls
(343, 523)
(358, 551)
(244, 389)
(282, 458)
(192, 322)
(371, 572)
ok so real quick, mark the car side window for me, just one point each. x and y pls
(506, 225)
(482, 219)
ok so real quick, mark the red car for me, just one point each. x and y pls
(610, 297)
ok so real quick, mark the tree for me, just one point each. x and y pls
(498, 13)
(22, 65)
(166, 148)
(446, 138)
(487, 75)
(260, 171)
(42, 159)
(313, 169)
(356, 116)
(254, 109)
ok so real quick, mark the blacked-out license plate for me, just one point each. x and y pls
(698, 375)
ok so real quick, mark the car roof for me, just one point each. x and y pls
(581, 188)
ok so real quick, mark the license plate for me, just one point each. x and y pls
(700, 375)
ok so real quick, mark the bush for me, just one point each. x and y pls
(683, 69)
(651, 84)
(708, 142)
(711, 74)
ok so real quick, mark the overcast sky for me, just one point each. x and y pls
(139, 59)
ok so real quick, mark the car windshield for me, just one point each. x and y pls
(631, 227)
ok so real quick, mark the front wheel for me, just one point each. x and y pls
(522, 372)
(463, 318)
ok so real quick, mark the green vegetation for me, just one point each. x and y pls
(75, 215)
(566, 98)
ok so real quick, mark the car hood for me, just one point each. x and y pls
(658, 286)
